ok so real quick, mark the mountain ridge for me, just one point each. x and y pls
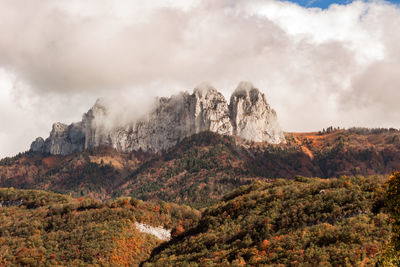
(248, 115)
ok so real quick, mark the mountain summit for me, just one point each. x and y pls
(248, 115)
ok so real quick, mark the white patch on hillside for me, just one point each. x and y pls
(159, 232)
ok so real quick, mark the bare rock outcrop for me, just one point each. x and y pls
(252, 118)
(159, 232)
(248, 115)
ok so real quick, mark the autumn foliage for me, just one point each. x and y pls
(300, 222)
(392, 203)
(203, 167)
(40, 228)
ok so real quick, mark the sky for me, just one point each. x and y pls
(324, 4)
(319, 63)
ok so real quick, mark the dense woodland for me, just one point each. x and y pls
(203, 167)
(294, 222)
(300, 222)
(391, 257)
(40, 228)
(250, 216)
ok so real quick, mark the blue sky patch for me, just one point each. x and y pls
(326, 3)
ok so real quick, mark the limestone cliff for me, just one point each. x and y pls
(248, 115)
(251, 116)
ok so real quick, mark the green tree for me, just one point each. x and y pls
(392, 203)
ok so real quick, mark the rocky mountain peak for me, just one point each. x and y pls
(252, 117)
(205, 90)
(244, 88)
(38, 144)
(248, 115)
(250, 94)
(99, 109)
(58, 128)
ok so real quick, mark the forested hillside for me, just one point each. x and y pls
(290, 222)
(300, 222)
(203, 167)
(39, 228)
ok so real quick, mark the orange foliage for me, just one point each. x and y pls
(348, 184)
(50, 162)
(265, 244)
(239, 262)
(157, 208)
(125, 203)
(178, 230)
(129, 248)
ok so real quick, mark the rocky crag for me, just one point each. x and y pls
(248, 115)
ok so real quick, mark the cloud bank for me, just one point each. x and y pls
(339, 66)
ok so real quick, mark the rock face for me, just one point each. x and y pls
(248, 115)
(252, 118)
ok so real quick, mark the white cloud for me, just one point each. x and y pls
(317, 67)
(350, 25)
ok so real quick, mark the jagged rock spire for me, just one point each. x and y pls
(251, 116)
(248, 115)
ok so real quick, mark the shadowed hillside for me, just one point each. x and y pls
(203, 167)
